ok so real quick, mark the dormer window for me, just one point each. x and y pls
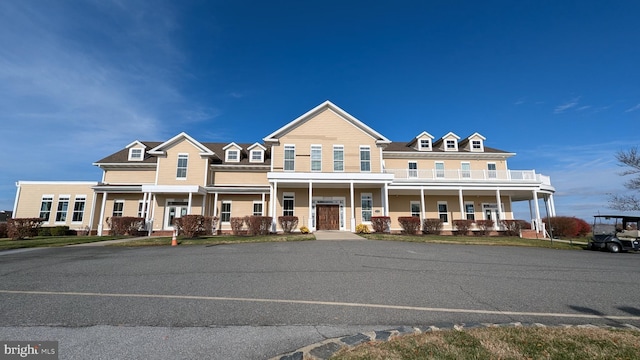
(425, 144)
(257, 155)
(451, 145)
(136, 154)
(476, 145)
(233, 155)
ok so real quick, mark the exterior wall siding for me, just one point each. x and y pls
(168, 165)
(141, 176)
(222, 178)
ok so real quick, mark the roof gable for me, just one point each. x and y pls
(275, 136)
(161, 149)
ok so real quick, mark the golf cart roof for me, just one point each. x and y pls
(623, 217)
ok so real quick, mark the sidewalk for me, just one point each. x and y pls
(109, 242)
(336, 235)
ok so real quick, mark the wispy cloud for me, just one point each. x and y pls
(634, 108)
(567, 105)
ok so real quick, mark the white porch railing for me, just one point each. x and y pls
(468, 175)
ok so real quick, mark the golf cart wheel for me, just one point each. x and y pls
(613, 247)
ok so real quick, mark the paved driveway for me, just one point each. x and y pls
(259, 300)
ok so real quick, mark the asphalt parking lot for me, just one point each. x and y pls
(259, 300)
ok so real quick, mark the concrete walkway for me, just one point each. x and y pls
(336, 235)
(109, 242)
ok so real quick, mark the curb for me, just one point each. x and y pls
(325, 349)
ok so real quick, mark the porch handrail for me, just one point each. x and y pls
(468, 175)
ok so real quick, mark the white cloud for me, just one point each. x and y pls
(566, 106)
(634, 108)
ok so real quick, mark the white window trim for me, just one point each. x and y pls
(462, 170)
(435, 169)
(253, 205)
(284, 157)
(186, 172)
(292, 195)
(259, 151)
(73, 210)
(471, 148)
(410, 174)
(467, 213)
(364, 147)
(339, 147)
(423, 148)
(229, 151)
(495, 174)
(415, 202)
(315, 147)
(362, 197)
(117, 201)
(62, 198)
(455, 144)
(49, 198)
(230, 211)
(131, 158)
(447, 213)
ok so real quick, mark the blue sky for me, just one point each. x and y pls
(556, 82)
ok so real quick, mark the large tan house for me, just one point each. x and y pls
(326, 167)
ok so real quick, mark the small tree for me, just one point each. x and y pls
(631, 202)
(462, 226)
(125, 225)
(381, 224)
(432, 226)
(191, 226)
(484, 226)
(409, 224)
(288, 223)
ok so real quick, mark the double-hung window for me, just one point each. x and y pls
(476, 145)
(142, 209)
(365, 159)
(118, 208)
(425, 144)
(491, 170)
(366, 202)
(63, 207)
(78, 208)
(443, 212)
(413, 169)
(316, 158)
(289, 157)
(257, 208)
(466, 170)
(470, 211)
(135, 154)
(439, 170)
(338, 158)
(45, 207)
(233, 155)
(225, 212)
(415, 208)
(288, 203)
(256, 155)
(183, 160)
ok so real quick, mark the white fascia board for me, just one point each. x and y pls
(451, 134)
(257, 145)
(273, 137)
(424, 134)
(232, 145)
(57, 183)
(329, 177)
(127, 164)
(440, 155)
(174, 189)
(476, 135)
(137, 142)
(158, 150)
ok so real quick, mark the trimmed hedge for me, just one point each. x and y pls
(288, 223)
(513, 227)
(3, 230)
(484, 226)
(410, 224)
(23, 228)
(381, 224)
(192, 226)
(258, 225)
(463, 226)
(125, 225)
(432, 226)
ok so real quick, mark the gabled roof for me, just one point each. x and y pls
(160, 149)
(273, 137)
(137, 142)
(232, 145)
(476, 134)
(451, 134)
(421, 135)
(257, 145)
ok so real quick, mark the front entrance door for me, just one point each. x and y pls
(328, 217)
(175, 209)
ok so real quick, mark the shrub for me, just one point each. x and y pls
(210, 224)
(288, 223)
(3, 230)
(125, 225)
(513, 227)
(484, 226)
(192, 226)
(44, 231)
(432, 226)
(565, 226)
(60, 231)
(463, 226)
(258, 225)
(583, 227)
(23, 228)
(410, 224)
(236, 225)
(381, 224)
(362, 229)
(305, 230)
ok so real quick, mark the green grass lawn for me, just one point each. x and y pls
(217, 240)
(476, 240)
(51, 241)
(519, 343)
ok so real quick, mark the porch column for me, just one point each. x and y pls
(153, 211)
(422, 208)
(144, 205)
(204, 204)
(553, 205)
(189, 204)
(274, 200)
(353, 208)
(499, 202)
(262, 200)
(309, 222)
(101, 219)
(530, 210)
(91, 216)
(386, 199)
(538, 221)
(461, 200)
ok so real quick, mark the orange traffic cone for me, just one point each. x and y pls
(174, 241)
